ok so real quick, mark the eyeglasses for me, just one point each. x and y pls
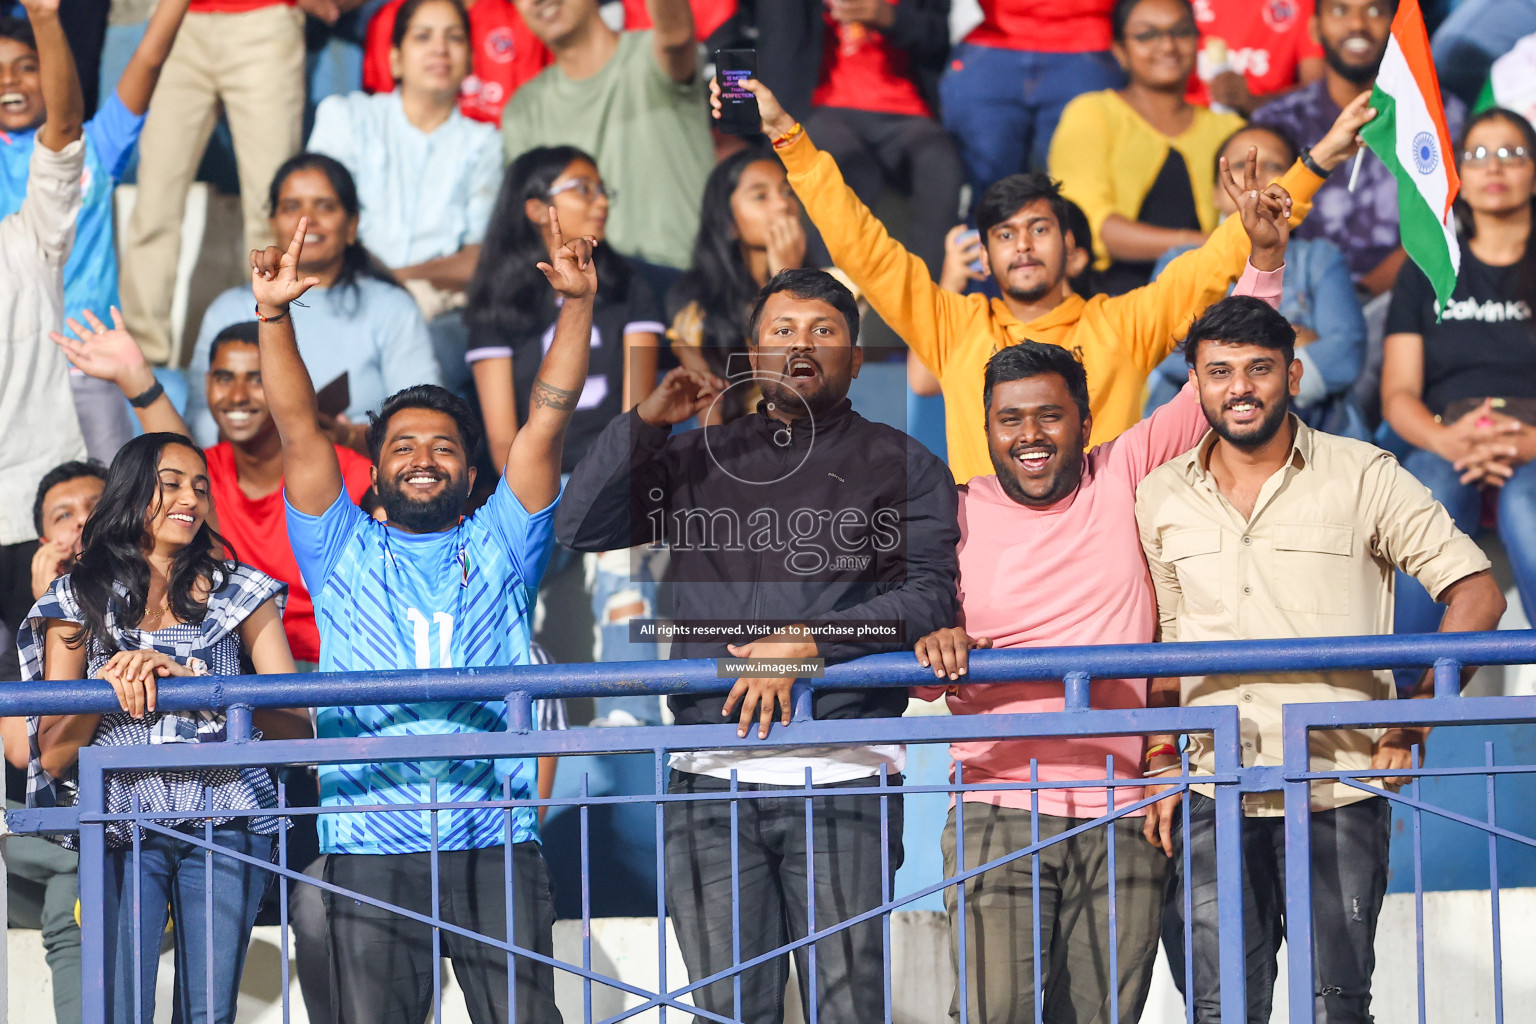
(587, 189)
(1146, 37)
(1482, 156)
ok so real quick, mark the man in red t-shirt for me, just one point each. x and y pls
(504, 54)
(1009, 80)
(863, 77)
(1252, 51)
(245, 473)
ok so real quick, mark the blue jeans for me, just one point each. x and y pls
(1002, 105)
(174, 878)
(1416, 611)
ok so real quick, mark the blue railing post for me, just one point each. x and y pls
(1077, 691)
(237, 720)
(800, 695)
(93, 871)
(1298, 868)
(1447, 677)
(519, 712)
(1229, 880)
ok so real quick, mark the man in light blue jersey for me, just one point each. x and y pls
(427, 589)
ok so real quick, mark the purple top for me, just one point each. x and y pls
(1362, 225)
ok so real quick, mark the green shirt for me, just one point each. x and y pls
(649, 135)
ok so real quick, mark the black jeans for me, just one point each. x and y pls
(772, 895)
(911, 154)
(382, 964)
(1349, 880)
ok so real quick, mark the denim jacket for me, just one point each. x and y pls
(1318, 294)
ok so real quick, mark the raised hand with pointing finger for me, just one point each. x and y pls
(275, 274)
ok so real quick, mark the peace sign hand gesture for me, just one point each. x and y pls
(570, 268)
(275, 273)
(1265, 212)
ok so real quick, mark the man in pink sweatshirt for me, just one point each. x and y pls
(1050, 556)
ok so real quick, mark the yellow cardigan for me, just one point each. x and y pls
(1118, 340)
(1107, 156)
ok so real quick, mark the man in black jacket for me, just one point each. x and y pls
(840, 534)
(864, 77)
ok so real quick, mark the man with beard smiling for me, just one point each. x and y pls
(1049, 556)
(427, 589)
(1362, 222)
(1270, 529)
(802, 512)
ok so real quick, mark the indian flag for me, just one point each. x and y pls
(1409, 135)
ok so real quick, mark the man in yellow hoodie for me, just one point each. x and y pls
(1118, 340)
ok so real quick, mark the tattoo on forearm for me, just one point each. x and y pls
(558, 399)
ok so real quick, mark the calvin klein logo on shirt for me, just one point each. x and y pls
(1489, 312)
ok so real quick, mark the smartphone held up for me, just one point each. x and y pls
(738, 107)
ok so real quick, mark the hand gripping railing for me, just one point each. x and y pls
(520, 685)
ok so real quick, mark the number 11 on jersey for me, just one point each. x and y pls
(419, 629)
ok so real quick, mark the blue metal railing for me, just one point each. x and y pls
(1077, 667)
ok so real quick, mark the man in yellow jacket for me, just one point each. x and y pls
(1118, 340)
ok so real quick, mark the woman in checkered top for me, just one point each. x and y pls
(152, 596)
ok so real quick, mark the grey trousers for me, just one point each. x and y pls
(772, 893)
(42, 884)
(1075, 938)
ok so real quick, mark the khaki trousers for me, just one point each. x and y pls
(252, 64)
(1074, 918)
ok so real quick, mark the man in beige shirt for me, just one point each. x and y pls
(1270, 529)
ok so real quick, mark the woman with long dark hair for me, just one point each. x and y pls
(512, 311)
(1459, 383)
(153, 595)
(749, 230)
(358, 321)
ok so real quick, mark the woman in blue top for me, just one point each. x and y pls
(358, 320)
(1318, 299)
(153, 596)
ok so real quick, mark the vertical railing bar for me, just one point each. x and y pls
(1418, 885)
(509, 898)
(1493, 892)
(1229, 889)
(1187, 856)
(957, 772)
(1034, 886)
(93, 980)
(660, 786)
(1114, 929)
(282, 892)
(138, 914)
(437, 910)
(586, 895)
(810, 982)
(885, 883)
(736, 893)
(208, 895)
